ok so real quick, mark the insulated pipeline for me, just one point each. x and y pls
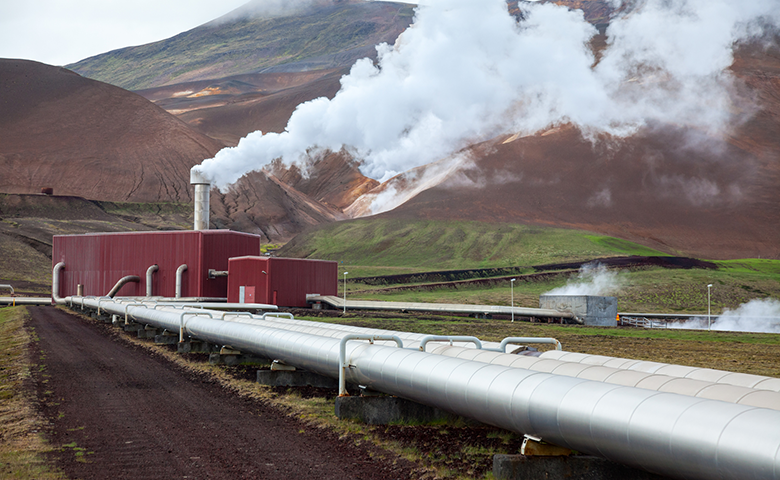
(674, 435)
(465, 349)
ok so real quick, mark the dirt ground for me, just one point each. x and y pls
(117, 411)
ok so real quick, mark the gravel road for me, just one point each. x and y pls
(117, 411)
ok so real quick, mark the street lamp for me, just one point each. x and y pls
(709, 310)
(345, 292)
(512, 289)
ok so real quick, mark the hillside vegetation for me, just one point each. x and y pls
(380, 246)
(243, 42)
(420, 245)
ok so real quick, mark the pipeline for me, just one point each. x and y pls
(122, 282)
(693, 373)
(669, 434)
(487, 352)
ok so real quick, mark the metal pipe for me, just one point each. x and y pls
(8, 286)
(149, 276)
(201, 199)
(706, 374)
(55, 283)
(122, 282)
(665, 433)
(179, 273)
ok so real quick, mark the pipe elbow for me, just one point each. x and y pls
(179, 273)
(55, 283)
(149, 275)
(122, 282)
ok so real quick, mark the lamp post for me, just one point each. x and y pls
(709, 319)
(345, 292)
(512, 289)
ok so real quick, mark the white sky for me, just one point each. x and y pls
(59, 32)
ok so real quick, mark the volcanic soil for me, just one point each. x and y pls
(116, 411)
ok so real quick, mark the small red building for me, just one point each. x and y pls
(280, 281)
(98, 260)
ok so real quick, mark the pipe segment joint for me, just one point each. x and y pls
(522, 340)
(182, 325)
(449, 338)
(343, 355)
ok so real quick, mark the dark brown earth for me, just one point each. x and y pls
(115, 410)
(90, 139)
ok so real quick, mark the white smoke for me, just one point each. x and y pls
(592, 279)
(759, 315)
(466, 71)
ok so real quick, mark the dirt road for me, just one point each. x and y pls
(119, 412)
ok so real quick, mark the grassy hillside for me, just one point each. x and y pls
(318, 37)
(379, 246)
(395, 245)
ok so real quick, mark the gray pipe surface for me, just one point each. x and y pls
(149, 277)
(669, 434)
(122, 282)
(55, 283)
(179, 272)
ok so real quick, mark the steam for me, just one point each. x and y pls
(467, 71)
(593, 279)
(759, 315)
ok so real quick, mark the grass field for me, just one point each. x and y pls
(378, 246)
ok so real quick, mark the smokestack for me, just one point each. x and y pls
(202, 188)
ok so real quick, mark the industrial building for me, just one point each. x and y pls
(193, 264)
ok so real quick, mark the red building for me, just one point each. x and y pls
(98, 260)
(280, 281)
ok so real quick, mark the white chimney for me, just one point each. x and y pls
(202, 189)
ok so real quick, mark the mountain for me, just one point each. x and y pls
(324, 35)
(86, 138)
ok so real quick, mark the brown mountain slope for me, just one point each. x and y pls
(669, 188)
(230, 108)
(650, 189)
(90, 139)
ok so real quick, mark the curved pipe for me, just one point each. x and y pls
(55, 283)
(149, 276)
(665, 433)
(179, 272)
(122, 282)
(9, 287)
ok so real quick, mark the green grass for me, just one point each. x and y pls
(425, 245)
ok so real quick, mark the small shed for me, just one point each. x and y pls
(280, 281)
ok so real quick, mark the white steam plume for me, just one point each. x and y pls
(466, 71)
(758, 315)
(593, 279)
